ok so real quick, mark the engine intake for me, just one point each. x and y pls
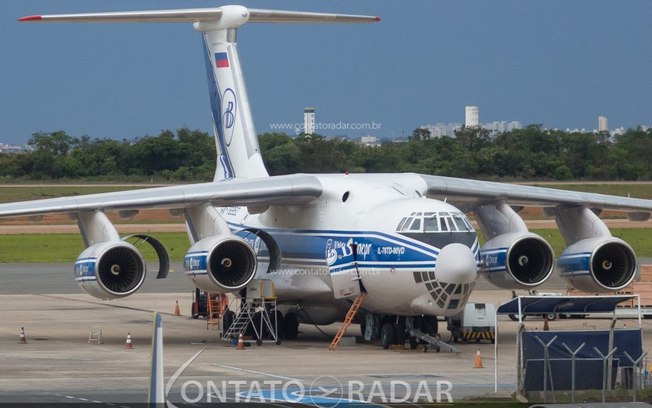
(220, 264)
(598, 264)
(517, 260)
(110, 270)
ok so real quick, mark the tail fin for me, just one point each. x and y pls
(235, 135)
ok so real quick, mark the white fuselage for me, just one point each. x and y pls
(414, 255)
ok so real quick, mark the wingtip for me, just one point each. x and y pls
(30, 18)
(376, 19)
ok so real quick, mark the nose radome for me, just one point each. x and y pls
(456, 264)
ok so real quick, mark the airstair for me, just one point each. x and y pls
(241, 321)
(431, 341)
(348, 319)
(256, 311)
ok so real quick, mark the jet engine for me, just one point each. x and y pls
(110, 270)
(600, 264)
(223, 263)
(516, 260)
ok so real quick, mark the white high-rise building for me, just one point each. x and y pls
(309, 121)
(472, 116)
(603, 126)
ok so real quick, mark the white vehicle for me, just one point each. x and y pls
(404, 239)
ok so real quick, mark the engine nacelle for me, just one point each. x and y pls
(220, 264)
(110, 270)
(601, 264)
(517, 260)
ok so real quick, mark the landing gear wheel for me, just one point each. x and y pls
(388, 335)
(290, 326)
(414, 342)
(400, 331)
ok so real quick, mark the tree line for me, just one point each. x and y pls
(531, 153)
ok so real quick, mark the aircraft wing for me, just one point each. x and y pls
(478, 191)
(279, 190)
(200, 15)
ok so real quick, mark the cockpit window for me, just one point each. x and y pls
(435, 222)
(430, 223)
(459, 222)
(402, 224)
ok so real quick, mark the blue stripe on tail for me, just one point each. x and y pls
(216, 109)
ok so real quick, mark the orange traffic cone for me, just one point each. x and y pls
(177, 311)
(128, 344)
(21, 338)
(478, 360)
(545, 323)
(241, 345)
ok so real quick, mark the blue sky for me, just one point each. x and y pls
(561, 63)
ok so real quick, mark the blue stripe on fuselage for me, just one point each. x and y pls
(329, 248)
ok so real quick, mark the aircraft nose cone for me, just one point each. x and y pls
(456, 264)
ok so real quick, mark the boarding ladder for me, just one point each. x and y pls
(215, 306)
(348, 319)
(241, 321)
(434, 342)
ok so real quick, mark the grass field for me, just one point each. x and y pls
(638, 238)
(638, 190)
(9, 193)
(66, 247)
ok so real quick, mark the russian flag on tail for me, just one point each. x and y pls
(221, 60)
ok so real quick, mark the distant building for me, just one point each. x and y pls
(369, 141)
(471, 116)
(502, 126)
(602, 124)
(442, 129)
(309, 121)
(5, 148)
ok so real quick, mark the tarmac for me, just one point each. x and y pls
(58, 365)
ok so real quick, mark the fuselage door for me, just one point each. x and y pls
(342, 265)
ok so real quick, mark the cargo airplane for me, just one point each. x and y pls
(403, 239)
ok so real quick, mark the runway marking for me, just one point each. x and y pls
(257, 372)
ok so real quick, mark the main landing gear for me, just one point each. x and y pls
(397, 330)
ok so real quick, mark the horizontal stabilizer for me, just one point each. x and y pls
(201, 15)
